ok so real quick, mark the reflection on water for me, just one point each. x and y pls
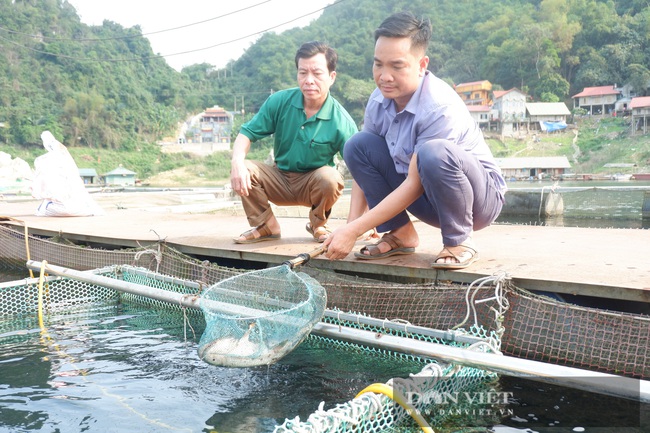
(586, 222)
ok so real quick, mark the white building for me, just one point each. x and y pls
(509, 109)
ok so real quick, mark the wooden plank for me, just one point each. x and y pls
(607, 263)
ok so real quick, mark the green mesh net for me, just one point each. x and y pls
(258, 317)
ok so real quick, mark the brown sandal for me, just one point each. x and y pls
(249, 235)
(396, 245)
(319, 232)
(464, 254)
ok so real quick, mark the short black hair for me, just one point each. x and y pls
(310, 49)
(406, 25)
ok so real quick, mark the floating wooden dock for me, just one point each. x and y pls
(602, 263)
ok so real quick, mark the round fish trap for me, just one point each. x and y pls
(258, 317)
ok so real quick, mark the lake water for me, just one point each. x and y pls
(593, 204)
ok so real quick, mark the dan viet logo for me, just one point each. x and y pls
(490, 397)
(480, 404)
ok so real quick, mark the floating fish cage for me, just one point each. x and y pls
(534, 327)
(399, 321)
(583, 206)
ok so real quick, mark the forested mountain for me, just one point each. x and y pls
(102, 86)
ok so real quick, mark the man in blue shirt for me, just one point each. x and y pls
(419, 151)
(309, 127)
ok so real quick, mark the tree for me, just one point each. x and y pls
(355, 95)
(552, 84)
(639, 79)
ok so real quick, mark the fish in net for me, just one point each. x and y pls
(258, 317)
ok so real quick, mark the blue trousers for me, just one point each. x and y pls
(459, 196)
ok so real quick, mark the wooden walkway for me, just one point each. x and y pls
(604, 263)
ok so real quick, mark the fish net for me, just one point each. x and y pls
(258, 317)
(277, 299)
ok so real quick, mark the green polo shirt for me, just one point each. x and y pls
(301, 144)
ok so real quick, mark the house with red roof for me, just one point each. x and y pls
(597, 100)
(640, 107)
(510, 104)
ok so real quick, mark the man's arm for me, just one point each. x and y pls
(240, 179)
(358, 203)
(341, 242)
(359, 206)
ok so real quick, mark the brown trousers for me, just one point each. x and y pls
(317, 189)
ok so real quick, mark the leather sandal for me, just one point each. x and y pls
(318, 233)
(396, 245)
(264, 235)
(465, 255)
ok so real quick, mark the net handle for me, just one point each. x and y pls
(303, 258)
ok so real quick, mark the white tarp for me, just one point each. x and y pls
(58, 184)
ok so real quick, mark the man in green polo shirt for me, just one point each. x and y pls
(309, 128)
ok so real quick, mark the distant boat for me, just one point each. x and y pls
(641, 176)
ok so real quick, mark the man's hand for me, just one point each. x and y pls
(240, 178)
(340, 242)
